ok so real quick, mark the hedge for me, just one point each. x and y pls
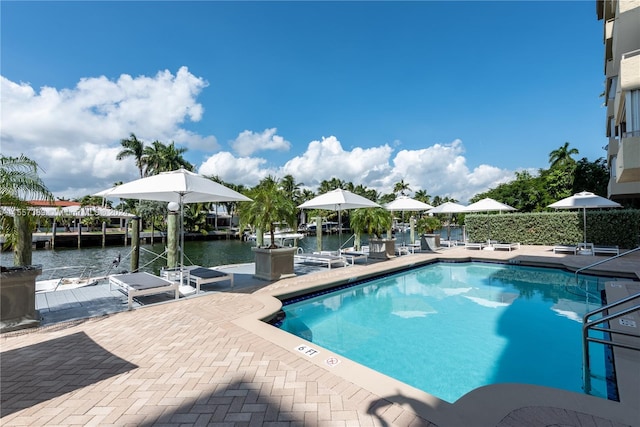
(604, 227)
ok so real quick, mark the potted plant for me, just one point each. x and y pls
(18, 180)
(373, 221)
(426, 227)
(270, 206)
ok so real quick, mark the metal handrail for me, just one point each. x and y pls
(592, 325)
(604, 260)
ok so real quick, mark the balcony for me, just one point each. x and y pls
(628, 163)
(630, 70)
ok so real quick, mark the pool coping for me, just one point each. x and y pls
(484, 406)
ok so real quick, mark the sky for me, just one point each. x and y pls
(451, 97)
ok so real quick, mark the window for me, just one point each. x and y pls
(632, 112)
(613, 84)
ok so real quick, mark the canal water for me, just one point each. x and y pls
(152, 257)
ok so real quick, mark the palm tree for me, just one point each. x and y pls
(562, 156)
(270, 205)
(371, 220)
(401, 187)
(195, 218)
(20, 182)
(132, 147)
(173, 158)
(159, 157)
(333, 184)
(152, 158)
(422, 196)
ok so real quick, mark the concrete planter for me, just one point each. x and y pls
(18, 298)
(382, 248)
(273, 264)
(429, 242)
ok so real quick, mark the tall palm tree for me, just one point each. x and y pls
(333, 184)
(401, 188)
(159, 157)
(562, 156)
(153, 158)
(132, 147)
(20, 182)
(173, 158)
(422, 196)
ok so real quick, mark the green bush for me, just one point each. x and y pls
(604, 227)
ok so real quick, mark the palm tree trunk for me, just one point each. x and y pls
(22, 249)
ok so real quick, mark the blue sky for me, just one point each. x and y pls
(452, 97)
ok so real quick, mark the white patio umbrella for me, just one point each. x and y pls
(180, 186)
(448, 208)
(488, 205)
(405, 203)
(338, 200)
(584, 200)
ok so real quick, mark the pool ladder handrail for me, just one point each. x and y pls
(604, 260)
(588, 325)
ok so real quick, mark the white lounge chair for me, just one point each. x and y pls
(612, 250)
(474, 245)
(353, 255)
(565, 248)
(202, 276)
(507, 246)
(321, 258)
(140, 284)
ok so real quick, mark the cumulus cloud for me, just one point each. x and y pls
(246, 171)
(249, 142)
(440, 169)
(326, 159)
(75, 132)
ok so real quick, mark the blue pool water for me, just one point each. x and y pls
(448, 328)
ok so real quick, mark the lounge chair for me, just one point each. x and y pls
(202, 276)
(403, 250)
(474, 245)
(613, 250)
(140, 284)
(449, 243)
(565, 248)
(321, 258)
(507, 246)
(353, 255)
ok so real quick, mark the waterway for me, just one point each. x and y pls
(210, 253)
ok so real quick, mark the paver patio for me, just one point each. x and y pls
(207, 361)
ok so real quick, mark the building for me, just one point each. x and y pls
(621, 24)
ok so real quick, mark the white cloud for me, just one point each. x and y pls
(327, 159)
(440, 169)
(249, 142)
(247, 171)
(75, 133)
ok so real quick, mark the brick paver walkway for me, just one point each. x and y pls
(180, 363)
(190, 363)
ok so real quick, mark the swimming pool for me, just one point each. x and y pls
(448, 328)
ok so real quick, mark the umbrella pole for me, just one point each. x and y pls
(403, 228)
(584, 225)
(185, 288)
(181, 239)
(339, 231)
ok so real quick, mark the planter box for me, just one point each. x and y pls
(18, 298)
(274, 264)
(429, 242)
(382, 248)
